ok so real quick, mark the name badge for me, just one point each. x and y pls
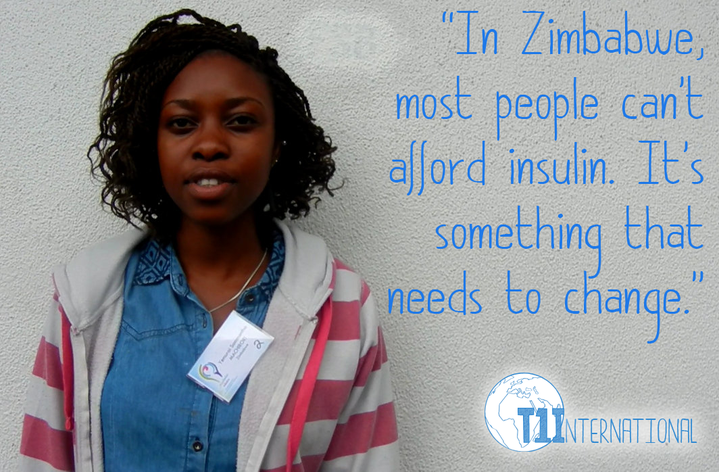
(230, 357)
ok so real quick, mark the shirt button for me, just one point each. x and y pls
(197, 446)
(250, 298)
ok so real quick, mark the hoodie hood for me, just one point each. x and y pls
(94, 278)
(307, 273)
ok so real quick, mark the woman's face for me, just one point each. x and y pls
(216, 139)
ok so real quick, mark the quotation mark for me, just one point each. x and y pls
(451, 14)
(694, 279)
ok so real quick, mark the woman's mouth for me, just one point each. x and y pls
(209, 189)
(208, 182)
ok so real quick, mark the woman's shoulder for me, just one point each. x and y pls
(95, 274)
(355, 301)
(349, 284)
(107, 251)
(311, 269)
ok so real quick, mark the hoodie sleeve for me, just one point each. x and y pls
(47, 441)
(365, 437)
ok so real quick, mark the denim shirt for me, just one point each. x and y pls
(154, 418)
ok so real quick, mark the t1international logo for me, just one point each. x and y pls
(524, 412)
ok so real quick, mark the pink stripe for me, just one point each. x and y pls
(47, 364)
(41, 442)
(372, 361)
(328, 399)
(363, 432)
(341, 265)
(380, 341)
(309, 464)
(345, 322)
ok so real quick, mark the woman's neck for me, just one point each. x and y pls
(219, 253)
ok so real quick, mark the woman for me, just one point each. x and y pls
(208, 144)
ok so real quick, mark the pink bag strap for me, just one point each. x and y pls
(307, 384)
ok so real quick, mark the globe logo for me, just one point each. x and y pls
(524, 412)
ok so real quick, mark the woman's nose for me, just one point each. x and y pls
(211, 142)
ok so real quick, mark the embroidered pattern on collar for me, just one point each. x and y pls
(155, 263)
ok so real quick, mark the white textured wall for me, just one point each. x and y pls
(351, 60)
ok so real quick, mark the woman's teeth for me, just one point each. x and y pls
(208, 182)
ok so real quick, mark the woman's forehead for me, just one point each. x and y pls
(219, 75)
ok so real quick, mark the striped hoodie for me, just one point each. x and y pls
(319, 399)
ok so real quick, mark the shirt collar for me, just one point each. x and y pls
(158, 262)
(154, 263)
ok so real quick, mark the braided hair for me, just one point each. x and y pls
(124, 154)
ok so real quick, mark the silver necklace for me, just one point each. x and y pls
(264, 254)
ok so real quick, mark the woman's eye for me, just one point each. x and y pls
(181, 124)
(242, 121)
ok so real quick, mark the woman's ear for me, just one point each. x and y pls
(277, 151)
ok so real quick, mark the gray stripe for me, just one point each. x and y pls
(378, 459)
(28, 464)
(316, 438)
(376, 392)
(45, 403)
(52, 331)
(348, 286)
(369, 324)
(339, 361)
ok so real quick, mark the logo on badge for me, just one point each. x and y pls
(208, 371)
(524, 412)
